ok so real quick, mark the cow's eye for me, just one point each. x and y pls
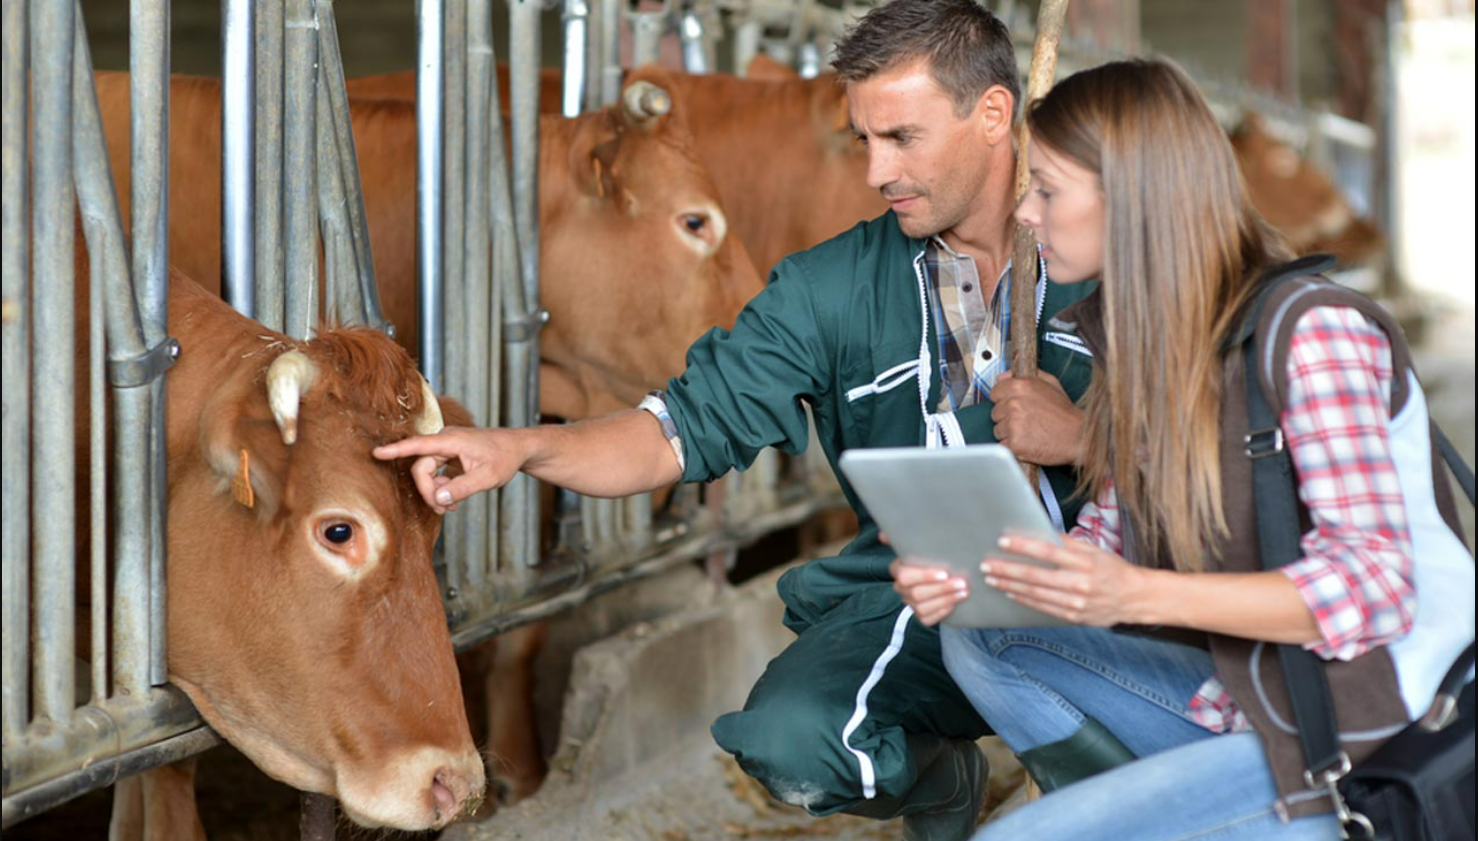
(338, 533)
(694, 222)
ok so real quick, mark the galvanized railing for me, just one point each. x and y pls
(79, 713)
(290, 195)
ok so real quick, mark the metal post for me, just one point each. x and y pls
(269, 256)
(53, 361)
(472, 531)
(428, 185)
(353, 202)
(137, 640)
(149, 292)
(647, 29)
(300, 192)
(695, 42)
(746, 45)
(523, 72)
(453, 190)
(238, 92)
(14, 324)
(340, 284)
(576, 20)
(610, 52)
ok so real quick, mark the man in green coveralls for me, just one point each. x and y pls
(894, 334)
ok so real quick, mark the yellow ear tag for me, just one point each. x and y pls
(241, 485)
(598, 171)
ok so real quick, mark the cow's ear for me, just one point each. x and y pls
(829, 108)
(766, 68)
(242, 444)
(593, 156)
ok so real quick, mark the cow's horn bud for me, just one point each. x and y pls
(430, 422)
(289, 376)
(644, 101)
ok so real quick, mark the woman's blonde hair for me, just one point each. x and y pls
(1182, 247)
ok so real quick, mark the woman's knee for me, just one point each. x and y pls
(968, 651)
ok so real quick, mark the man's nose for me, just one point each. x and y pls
(881, 168)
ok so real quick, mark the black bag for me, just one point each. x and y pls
(1418, 786)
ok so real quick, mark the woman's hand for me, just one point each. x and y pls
(1087, 586)
(1035, 418)
(931, 591)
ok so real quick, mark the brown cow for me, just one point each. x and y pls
(635, 265)
(778, 146)
(1299, 200)
(635, 257)
(305, 621)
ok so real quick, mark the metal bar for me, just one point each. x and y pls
(146, 304)
(37, 799)
(343, 132)
(508, 298)
(610, 52)
(269, 255)
(132, 481)
(238, 84)
(97, 427)
(576, 19)
(429, 49)
(316, 814)
(477, 265)
(746, 45)
(699, 544)
(694, 37)
(15, 537)
(53, 361)
(453, 192)
(524, 40)
(647, 29)
(340, 284)
(300, 157)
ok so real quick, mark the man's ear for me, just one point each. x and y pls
(996, 111)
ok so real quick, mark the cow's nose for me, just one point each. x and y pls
(456, 792)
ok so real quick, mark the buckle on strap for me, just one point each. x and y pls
(1353, 826)
(1261, 443)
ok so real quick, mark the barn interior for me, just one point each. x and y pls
(640, 620)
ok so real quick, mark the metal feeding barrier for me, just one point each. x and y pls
(82, 711)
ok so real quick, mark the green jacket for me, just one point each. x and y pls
(837, 328)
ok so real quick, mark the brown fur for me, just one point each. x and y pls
(277, 651)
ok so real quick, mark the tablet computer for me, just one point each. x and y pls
(950, 507)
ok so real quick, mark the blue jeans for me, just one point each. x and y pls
(1036, 685)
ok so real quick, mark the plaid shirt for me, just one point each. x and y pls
(965, 321)
(1355, 574)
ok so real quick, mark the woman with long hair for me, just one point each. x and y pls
(1148, 717)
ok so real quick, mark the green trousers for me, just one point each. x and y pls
(826, 725)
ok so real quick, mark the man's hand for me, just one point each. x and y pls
(488, 457)
(932, 592)
(1035, 418)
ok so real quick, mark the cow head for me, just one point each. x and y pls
(1300, 200)
(638, 261)
(304, 616)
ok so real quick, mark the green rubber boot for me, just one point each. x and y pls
(1091, 750)
(945, 802)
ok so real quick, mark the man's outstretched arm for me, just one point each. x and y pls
(615, 455)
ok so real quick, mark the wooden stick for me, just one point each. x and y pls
(1024, 267)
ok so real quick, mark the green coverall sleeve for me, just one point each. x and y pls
(743, 388)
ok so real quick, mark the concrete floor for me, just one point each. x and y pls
(635, 761)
